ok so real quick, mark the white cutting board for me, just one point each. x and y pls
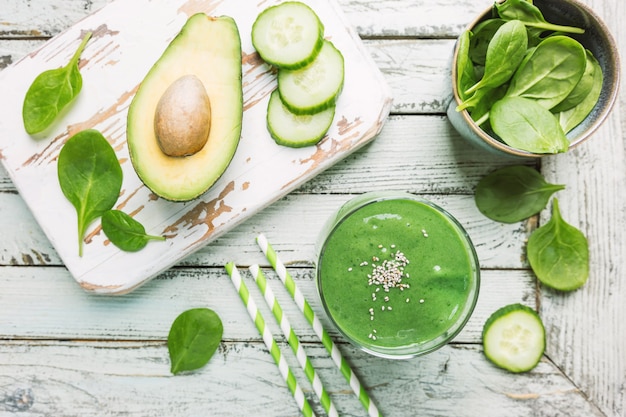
(128, 37)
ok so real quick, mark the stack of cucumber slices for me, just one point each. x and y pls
(290, 36)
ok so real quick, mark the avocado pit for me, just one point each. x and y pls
(182, 119)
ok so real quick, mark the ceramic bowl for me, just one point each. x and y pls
(596, 39)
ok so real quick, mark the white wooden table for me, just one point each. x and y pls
(65, 352)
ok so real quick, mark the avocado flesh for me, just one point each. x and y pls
(210, 49)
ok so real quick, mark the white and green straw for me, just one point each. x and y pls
(319, 330)
(293, 340)
(269, 340)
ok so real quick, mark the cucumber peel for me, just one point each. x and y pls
(294, 130)
(315, 87)
(514, 338)
(289, 35)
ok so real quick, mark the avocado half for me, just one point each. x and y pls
(209, 48)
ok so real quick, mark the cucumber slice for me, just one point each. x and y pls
(514, 338)
(293, 130)
(288, 35)
(315, 87)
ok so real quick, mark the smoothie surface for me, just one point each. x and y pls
(396, 273)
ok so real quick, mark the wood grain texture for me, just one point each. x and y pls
(588, 344)
(441, 165)
(116, 362)
(127, 378)
(147, 313)
(372, 18)
(293, 223)
(586, 335)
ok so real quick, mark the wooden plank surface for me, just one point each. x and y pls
(586, 335)
(66, 352)
(147, 313)
(127, 378)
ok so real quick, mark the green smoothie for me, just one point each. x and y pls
(398, 276)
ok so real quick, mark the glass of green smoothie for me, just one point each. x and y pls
(397, 275)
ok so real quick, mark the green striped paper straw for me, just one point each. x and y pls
(319, 330)
(270, 342)
(293, 340)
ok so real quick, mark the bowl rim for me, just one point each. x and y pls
(582, 137)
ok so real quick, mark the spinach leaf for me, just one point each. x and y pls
(51, 91)
(582, 89)
(524, 124)
(483, 32)
(464, 66)
(475, 99)
(535, 36)
(513, 193)
(90, 177)
(125, 232)
(193, 339)
(551, 72)
(481, 101)
(504, 53)
(481, 108)
(571, 118)
(558, 253)
(530, 15)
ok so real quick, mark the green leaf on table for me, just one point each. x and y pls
(513, 193)
(558, 253)
(90, 177)
(193, 339)
(125, 232)
(51, 92)
(525, 124)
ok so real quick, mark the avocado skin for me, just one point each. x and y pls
(209, 48)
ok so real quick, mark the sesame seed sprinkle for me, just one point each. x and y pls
(386, 274)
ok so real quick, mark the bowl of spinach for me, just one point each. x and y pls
(533, 77)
